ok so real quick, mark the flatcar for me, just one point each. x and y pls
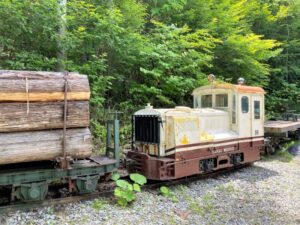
(45, 145)
(33, 181)
(224, 129)
(280, 130)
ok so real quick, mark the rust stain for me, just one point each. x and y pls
(155, 149)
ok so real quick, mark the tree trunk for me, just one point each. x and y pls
(42, 115)
(44, 145)
(24, 86)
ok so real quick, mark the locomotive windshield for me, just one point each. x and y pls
(222, 100)
(211, 101)
(206, 101)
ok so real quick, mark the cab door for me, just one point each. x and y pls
(244, 109)
(257, 116)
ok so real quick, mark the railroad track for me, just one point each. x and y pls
(109, 193)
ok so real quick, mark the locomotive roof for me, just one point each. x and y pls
(233, 87)
(179, 110)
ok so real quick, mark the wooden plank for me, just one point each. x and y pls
(44, 145)
(41, 86)
(42, 116)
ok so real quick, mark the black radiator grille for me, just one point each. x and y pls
(146, 129)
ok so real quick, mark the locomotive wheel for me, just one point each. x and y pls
(236, 159)
(272, 144)
(269, 149)
(207, 165)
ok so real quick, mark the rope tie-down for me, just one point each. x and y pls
(27, 94)
(64, 161)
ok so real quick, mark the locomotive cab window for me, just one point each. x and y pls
(256, 109)
(197, 102)
(245, 104)
(222, 100)
(206, 101)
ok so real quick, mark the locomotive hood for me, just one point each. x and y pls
(181, 126)
(179, 111)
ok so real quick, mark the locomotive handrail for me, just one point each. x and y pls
(113, 127)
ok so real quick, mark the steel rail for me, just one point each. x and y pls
(109, 193)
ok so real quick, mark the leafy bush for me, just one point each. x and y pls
(125, 191)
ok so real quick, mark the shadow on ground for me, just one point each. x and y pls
(249, 173)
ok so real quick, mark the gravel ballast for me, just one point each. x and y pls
(266, 193)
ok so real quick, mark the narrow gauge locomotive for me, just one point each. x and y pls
(225, 128)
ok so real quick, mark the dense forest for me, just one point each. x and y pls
(157, 51)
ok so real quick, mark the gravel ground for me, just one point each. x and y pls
(266, 193)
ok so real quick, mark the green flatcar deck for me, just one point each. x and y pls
(20, 175)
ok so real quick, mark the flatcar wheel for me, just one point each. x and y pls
(87, 184)
(297, 135)
(270, 150)
(5, 193)
(271, 145)
(31, 191)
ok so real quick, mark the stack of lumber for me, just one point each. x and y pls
(32, 116)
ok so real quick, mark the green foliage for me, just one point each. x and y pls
(136, 52)
(283, 99)
(99, 133)
(290, 144)
(283, 88)
(138, 178)
(283, 155)
(125, 133)
(25, 27)
(173, 64)
(115, 177)
(125, 191)
(245, 56)
(240, 51)
(99, 204)
(166, 192)
(204, 207)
